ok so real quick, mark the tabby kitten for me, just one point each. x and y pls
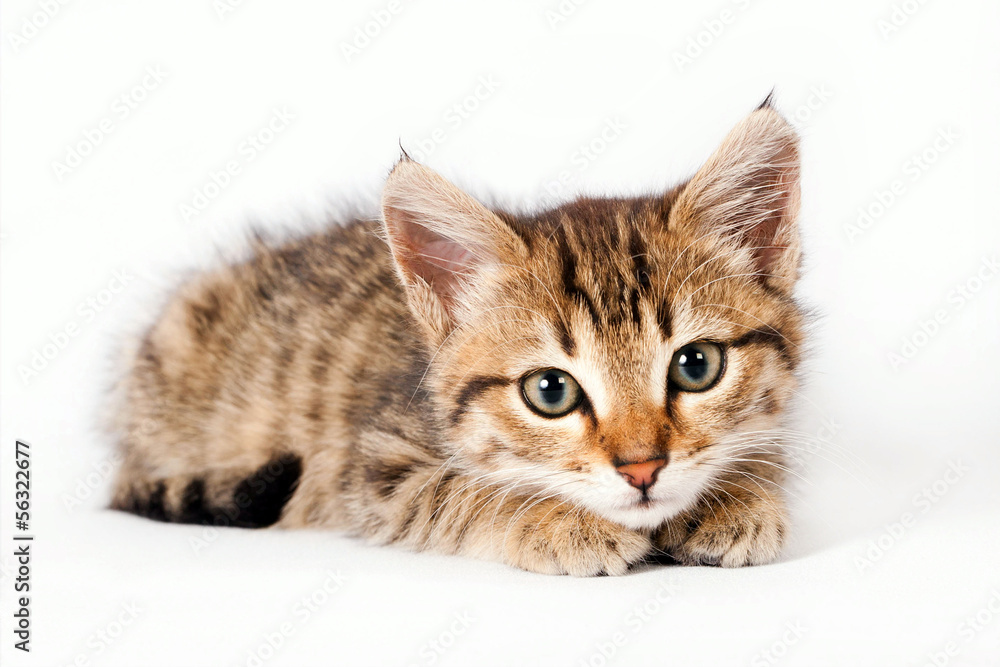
(568, 392)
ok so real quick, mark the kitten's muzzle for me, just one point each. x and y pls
(641, 475)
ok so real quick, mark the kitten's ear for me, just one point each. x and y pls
(442, 241)
(748, 192)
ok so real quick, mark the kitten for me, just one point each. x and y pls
(567, 392)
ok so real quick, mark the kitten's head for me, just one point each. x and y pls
(618, 353)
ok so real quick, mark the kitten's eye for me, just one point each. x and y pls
(551, 392)
(696, 367)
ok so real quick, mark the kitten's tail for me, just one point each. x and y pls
(219, 497)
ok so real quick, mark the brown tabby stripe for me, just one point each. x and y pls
(572, 289)
(764, 337)
(385, 476)
(663, 319)
(472, 390)
(318, 372)
(566, 340)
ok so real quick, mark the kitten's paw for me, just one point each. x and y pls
(577, 543)
(734, 533)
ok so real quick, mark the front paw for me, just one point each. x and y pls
(570, 541)
(733, 531)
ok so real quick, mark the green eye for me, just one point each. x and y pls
(696, 367)
(551, 392)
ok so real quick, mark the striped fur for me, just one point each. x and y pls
(367, 378)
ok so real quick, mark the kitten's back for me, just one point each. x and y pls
(236, 378)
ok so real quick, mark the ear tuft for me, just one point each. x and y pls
(403, 155)
(768, 102)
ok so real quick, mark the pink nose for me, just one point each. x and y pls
(641, 475)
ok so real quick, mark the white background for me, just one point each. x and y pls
(875, 574)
